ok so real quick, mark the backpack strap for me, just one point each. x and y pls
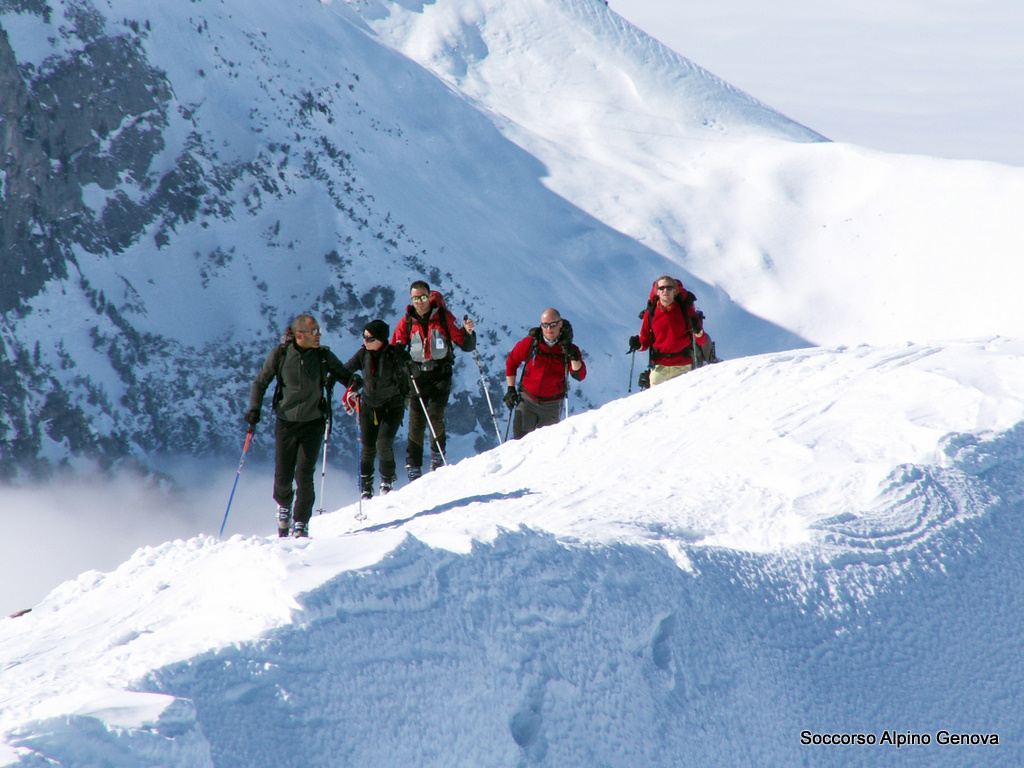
(280, 352)
(327, 381)
(446, 326)
(535, 334)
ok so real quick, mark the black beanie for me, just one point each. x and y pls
(378, 329)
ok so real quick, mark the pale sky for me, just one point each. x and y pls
(943, 78)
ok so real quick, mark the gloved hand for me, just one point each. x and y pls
(356, 382)
(572, 353)
(252, 417)
(511, 398)
(565, 337)
(634, 344)
(350, 400)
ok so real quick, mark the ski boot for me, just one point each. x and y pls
(387, 484)
(366, 487)
(414, 472)
(284, 521)
(300, 530)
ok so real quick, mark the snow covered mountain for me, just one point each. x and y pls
(181, 179)
(739, 567)
(734, 568)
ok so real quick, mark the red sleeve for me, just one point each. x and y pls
(696, 325)
(517, 356)
(458, 333)
(645, 332)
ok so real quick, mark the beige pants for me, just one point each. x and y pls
(662, 373)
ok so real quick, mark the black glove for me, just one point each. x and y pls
(356, 382)
(572, 353)
(634, 344)
(252, 417)
(511, 398)
(565, 337)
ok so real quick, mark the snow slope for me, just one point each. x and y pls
(825, 540)
(838, 244)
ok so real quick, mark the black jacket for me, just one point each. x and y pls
(385, 375)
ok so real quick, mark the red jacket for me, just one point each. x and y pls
(430, 340)
(544, 374)
(672, 339)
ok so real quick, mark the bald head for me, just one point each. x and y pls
(550, 324)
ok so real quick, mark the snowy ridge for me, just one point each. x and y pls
(835, 243)
(597, 64)
(503, 607)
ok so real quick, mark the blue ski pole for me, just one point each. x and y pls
(248, 440)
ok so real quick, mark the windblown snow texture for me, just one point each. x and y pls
(862, 578)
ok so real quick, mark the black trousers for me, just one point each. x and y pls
(531, 414)
(435, 397)
(377, 430)
(298, 445)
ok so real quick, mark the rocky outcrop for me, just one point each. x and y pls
(94, 116)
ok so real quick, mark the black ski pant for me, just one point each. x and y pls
(531, 414)
(434, 395)
(298, 444)
(377, 430)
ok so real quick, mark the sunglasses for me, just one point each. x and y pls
(369, 338)
(311, 333)
(551, 325)
(666, 287)
(420, 298)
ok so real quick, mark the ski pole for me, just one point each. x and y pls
(631, 362)
(509, 424)
(323, 466)
(248, 440)
(359, 457)
(430, 424)
(490, 407)
(568, 367)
